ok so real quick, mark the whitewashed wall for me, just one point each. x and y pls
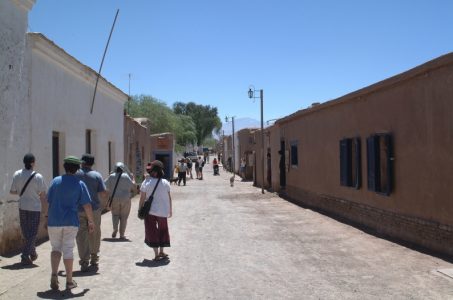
(14, 108)
(61, 95)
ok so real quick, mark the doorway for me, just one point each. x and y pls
(282, 165)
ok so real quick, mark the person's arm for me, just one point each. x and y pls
(171, 206)
(44, 205)
(142, 199)
(89, 213)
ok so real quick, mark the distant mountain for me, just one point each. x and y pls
(240, 123)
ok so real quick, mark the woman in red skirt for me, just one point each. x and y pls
(156, 226)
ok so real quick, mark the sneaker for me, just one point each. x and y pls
(71, 285)
(25, 260)
(114, 234)
(54, 282)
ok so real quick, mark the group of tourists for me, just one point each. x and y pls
(184, 169)
(72, 210)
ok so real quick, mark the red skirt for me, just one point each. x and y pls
(156, 232)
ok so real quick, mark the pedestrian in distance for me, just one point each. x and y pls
(242, 168)
(88, 245)
(197, 168)
(189, 168)
(182, 170)
(66, 193)
(30, 187)
(120, 185)
(156, 226)
(200, 167)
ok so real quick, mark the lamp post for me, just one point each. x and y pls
(232, 123)
(251, 93)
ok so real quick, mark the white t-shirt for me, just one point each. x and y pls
(161, 199)
(30, 199)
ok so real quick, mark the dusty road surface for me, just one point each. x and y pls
(235, 243)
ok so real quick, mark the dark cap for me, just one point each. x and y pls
(88, 159)
(29, 158)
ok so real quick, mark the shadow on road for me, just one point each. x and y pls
(115, 240)
(19, 266)
(152, 263)
(66, 294)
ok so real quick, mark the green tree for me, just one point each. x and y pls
(205, 118)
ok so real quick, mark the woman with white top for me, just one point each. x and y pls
(156, 226)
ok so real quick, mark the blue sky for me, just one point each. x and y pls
(210, 51)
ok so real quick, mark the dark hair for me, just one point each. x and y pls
(29, 158)
(70, 168)
(119, 170)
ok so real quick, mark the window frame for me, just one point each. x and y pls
(351, 162)
(293, 144)
(376, 165)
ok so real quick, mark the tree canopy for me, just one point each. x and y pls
(190, 123)
(204, 117)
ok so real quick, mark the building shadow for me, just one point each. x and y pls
(65, 294)
(149, 263)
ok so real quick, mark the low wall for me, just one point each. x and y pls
(418, 232)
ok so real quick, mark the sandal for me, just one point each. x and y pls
(71, 285)
(163, 255)
(54, 282)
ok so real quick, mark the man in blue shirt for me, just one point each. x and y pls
(65, 195)
(88, 245)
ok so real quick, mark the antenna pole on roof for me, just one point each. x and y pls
(102, 62)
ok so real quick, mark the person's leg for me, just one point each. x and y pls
(69, 234)
(184, 178)
(56, 242)
(163, 235)
(25, 229)
(116, 216)
(124, 215)
(82, 242)
(94, 239)
(151, 234)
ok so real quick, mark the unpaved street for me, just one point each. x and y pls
(235, 243)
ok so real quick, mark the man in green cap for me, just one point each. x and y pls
(66, 193)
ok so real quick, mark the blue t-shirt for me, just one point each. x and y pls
(65, 195)
(94, 183)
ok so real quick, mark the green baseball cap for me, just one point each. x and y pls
(72, 160)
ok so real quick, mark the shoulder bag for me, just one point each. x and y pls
(144, 210)
(26, 184)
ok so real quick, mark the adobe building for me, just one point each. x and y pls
(380, 156)
(163, 149)
(137, 145)
(246, 142)
(46, 110)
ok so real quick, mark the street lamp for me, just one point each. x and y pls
(232, 123)
(251, 94)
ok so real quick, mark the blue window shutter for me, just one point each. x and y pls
(372, 144)
(358, 163)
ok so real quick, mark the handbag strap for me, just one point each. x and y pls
(155, 187)
(114, 189)
(26, 184)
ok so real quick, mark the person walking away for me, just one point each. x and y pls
(88, 245)
(156, 226)
(120, 205)
(30, 187)
(200, 167)
(243, 165)
(197, 168)
(215, 166)
(189, 168)
(66, 193)
(182, 172)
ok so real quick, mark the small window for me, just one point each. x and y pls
(380, 163)
(294, 155)
(350, 170)
(88, 141)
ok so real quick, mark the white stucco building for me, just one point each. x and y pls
(45, 101)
